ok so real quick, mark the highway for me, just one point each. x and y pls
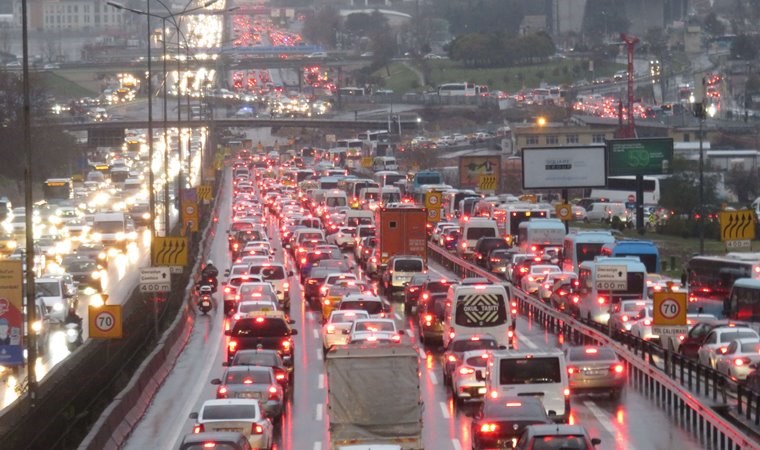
(632, 424)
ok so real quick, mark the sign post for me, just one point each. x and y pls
(669, 313)
(433, 202)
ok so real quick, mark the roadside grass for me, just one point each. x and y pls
(402, 78)
(63, 88)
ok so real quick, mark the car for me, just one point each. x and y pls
(433, 286)
(454, 352)
(536, 274)
(412, 290)
(739, 358)
(435, 234)
(278, 276)
(283, 373)
(332, 330)
(400, 270)
(541, 437)
(691, 343)
(373, 331)
(430, 313)
(595, 369)
(500, 421)
(268, 330)
(85, 271)
(238, 415)
(222, 440)
(498, 260)
(623, 313)
(376, 307)
(465, 385)
(641, 324)
(546, 286)
(483, 247)
(343, 238)
(717, 340)
(253, 382)
(672, 342)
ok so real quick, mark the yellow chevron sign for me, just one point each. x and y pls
(487, 183)
(204, 192)
(170, 251)
(737, 225)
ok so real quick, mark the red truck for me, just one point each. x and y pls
(401, 231)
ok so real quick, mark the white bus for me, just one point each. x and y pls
(620, 189)
(536, 234)
(599, 296)
(583, 246)
(461, 89)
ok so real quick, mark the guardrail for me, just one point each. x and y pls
(671, 388)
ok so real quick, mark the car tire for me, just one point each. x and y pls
(616, 394)
(423, 339)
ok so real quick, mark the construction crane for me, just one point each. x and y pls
(629, 131)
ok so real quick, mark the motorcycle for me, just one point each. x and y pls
(211, 282)
(73, 336)
(204, 302)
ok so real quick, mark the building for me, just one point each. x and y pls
(73, 15)
(572, 132)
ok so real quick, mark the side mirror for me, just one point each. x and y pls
(228, 332)
(291, 322)
(479, 375)
(225, 364)
(194, 415)
(595, 441)
(346, 332)
(226, 272)
(293, 332)
(216, 381)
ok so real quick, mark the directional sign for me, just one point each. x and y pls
(105, 322)
(487, 183)
(611, 278)
(669, 313)
(155, 279)
(170, 251)
(737, 225)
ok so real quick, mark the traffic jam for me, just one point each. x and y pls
(333, 247)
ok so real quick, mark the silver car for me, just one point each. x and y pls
(253, 382)
(236, 415)
(464, 383)
(332, 330)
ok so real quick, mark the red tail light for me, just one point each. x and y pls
(221, 392)
(488, 428)
(286, 344)
(617, 368)
(280, 376)
(257, 429)
(466, 371)
(572, 370)
(198, 429)
(741, 361)
(428, 318)
(232, 346)
(601, 300)
(273, 393)
(624, 318)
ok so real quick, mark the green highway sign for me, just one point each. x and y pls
(653, 156)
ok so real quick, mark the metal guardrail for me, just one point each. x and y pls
(672, 388)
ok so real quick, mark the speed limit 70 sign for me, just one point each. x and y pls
(669, 308)
(105, 322)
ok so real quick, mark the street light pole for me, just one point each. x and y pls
(167, 148)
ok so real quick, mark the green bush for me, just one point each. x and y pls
(689, 228)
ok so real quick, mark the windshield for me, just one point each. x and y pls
(732, 335)
(81, 266)
(254, 358)
(109, 227)
(477, 233)
(335, 201)
(48, 288)
(529, 370)
(587, 252)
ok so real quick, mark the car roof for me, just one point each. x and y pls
(556, 429)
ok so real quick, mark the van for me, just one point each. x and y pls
(335, 198)
(57, 298)
(400, 270)
(542, 374)
(605, 211)
(355, 217)
(474, 229)
(478, 308)
(384, 163)
(368, 195)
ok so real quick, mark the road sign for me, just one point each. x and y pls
(744, 244)
(737, 225)
(564, 212)
(155, 279)
(669, 313)
(105, 322)
(170, 251)
(611, 285)
(433, 200)
(434, 214)
(189, 215)
(487, 183)
(204, 192)
(611, 278)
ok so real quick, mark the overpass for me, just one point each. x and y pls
(113, 132)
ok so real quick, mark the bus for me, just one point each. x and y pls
(710, 278)
(461, 90)
(598, 297)
(536, 234)
(57, 190)
(583, 246)
(744, 301)
(352, 91)
(647, 252)
(353, 150)
(423, 178)
(451, 202)
(622, 189)
(509, 217)
(388, 177)
(373, 136)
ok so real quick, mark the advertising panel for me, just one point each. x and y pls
(564, 167)
(11, 313)
(640, 156)
(474, 169)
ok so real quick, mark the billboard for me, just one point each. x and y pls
(564, 167)
(640, 156)
(11, 316)
(474, 169)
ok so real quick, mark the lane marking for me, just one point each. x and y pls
(321, 381)
(605, 420)
(319, 411)
(397, 316)
(318, 445)
(409, 332)
(456, 444)
(433, 378)
(319, 354)
(444, 410)
(527, 342)
(423, 355)
(316, 333)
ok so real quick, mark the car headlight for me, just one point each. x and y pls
(97, 237)
(146, 216)
(120, 236)
(95, 275)
(58, 307)
(12, 245)
(37, 326)
(102, 255)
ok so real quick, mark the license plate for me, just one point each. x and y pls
(230, 430)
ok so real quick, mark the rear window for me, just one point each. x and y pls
(466, 345)
(530, 370)
(374, 326)
(490, 244)
(217, 446)
(335, 201)
(247, 307)
(248, 377)
(366, 231)
(477, 361)
(269, 272)
(408, 265)
(481, 310)
(475, 233)
(372, 307)
(261, 327)
(564, 442)
(309, 236)
(246, 358)
(221, 412)
(732, 335)
(438, 286)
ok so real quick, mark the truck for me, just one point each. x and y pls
(114, 229)
(401, 231)
(359, 418)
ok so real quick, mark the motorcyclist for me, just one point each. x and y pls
(73, 318)
(210, 270)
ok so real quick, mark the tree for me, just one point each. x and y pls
(323, 26)
(744, 47)
(383, 46)
(713, 25)
(681, 191)
(744, 183)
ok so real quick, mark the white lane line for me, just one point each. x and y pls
(319, 354)
(318, 445)
(422, 353)
(444, 410)
(397, 316)
(316, 333)
(433, 378)
(321, 381)
(456, 444)
(319, 412)
(409, 332)
(605, 420)
(527, 342)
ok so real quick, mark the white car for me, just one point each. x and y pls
(343, 238)
(623, 313)
(278, 275)
(738, 357)
(546, 286)
(536, 275)
(464, 383)
(374, 330)
(435, 236)
(717, 342)
(641, 324)
(241, 415)
(332, 330)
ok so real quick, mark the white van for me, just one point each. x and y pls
(543, 375)
(474, 229)
(605, 211)
(368, 195)
(478, 309)
(384, 163)
(335, 198)
(356, 217)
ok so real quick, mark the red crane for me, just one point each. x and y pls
(630, 42)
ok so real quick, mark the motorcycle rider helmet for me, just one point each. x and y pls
(209, 263)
